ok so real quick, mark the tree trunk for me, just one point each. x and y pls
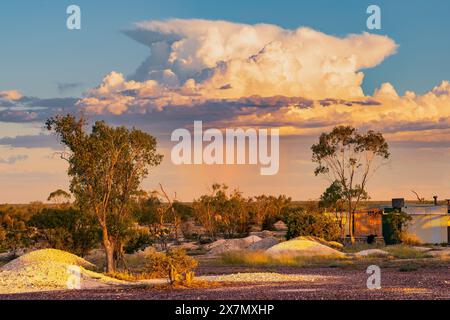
(350, 227)
(109, 252)
(350, 222)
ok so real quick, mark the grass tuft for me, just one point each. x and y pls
(406, 252)
(409, 267)
(260, 258)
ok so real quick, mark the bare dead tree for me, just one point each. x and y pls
(421, 200)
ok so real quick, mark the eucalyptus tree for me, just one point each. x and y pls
(106, 166)
(350, 158)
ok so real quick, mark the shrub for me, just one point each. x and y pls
(14, 233)
(302, 223)
(398, 221)
(409, 267)
(138, 241)
(175, 265)
(67, 229)
(410, 239)
(405, 252)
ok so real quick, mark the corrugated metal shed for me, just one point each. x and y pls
(429, 224)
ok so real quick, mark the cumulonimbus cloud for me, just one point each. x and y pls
(232, 60)
(192, 61)
(302, 80)
(10, 95)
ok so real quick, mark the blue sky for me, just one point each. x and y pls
(38, 52)
(236, 75)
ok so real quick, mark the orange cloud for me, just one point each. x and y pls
(11, 95)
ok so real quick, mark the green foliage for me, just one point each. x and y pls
(138, 241)
(398, 222)
(14, 233)
(162, 215)
(230, 214)
(67, 229)
(184, 211)
(303, 223)
(350, 158)
(409, 267)
(106, 166)
(59, 196)
(223, 212)
(267, 210)
(333, 200)
(333, 197)
(175, 264)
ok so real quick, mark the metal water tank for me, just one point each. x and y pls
(398, 203)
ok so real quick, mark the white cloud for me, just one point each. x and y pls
(260, 59)
(194, 63)
(11, 95)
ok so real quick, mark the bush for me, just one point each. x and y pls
(175, 265)
(398, 222)
(14, 233)
(67, 229)
(301, 223)
(405, 252)
(410, 239)
(138, 241)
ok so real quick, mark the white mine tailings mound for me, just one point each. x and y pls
(264, 244)
(222, 246)
(47, 270)
(372, 253)
(304, 247)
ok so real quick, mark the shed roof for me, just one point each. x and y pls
(425, 210)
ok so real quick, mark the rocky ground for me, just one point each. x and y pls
(308, 284)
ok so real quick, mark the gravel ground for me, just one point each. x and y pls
(328, 283)
(264, 277)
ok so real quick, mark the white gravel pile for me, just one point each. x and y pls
(304, 247)
(373, 253)
(222, 246)
(48, 270)
(442, 253)
(264, 244)
(264, 277)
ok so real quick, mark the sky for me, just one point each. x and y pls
(160, 65)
